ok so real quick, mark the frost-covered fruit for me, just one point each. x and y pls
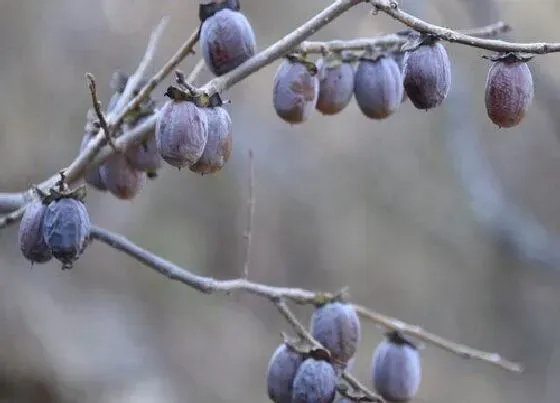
(93, 176)
(218, 147)
(336, 85)
(378, 87)
(181, 133)
(280, 373)
(30, 237)
(315, 382)
(66, 227)
(337, 327)
(145, 156)
(428, 76)
(227, 40)
(295, 91)
(509, 90)
(121, 179)
(396, 369)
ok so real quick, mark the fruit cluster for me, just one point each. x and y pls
(295, 375)
(123, 174)
(381, 81)
(57, 225)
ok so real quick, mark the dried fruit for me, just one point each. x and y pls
(281, 372)
(121, 179)
(181, 132)
(336, 85)
(509, 89)
(296, 88)
(428, 75)
(66, 227)
(227, 40)
(337, 327)
(396, 368)
(30, 237)
(218, 147)
(378, 87)
(92, 176)
(315, 382)
(145, 156)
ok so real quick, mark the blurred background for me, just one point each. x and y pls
(438, 218)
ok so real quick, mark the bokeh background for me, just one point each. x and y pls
(438, 218)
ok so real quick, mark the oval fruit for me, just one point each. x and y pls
(336, 85)
(281, 372)
(315, 382)
(121, 179)
(30, 237)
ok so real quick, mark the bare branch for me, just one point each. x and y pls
(419, 333)
(97, 106)
(250, 214)
(209, 285)
(12, 218)
(134, 79)
(11, 202)
(449, 35)
(389, 41)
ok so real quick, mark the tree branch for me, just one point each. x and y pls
(449, 35)
(390, 40)
(209, 285)
(92, 85)
(250, 214)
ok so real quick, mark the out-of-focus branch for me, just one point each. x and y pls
(209, 285)
(450, 35)
(390, 40)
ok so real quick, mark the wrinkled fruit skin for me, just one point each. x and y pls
(428, 76)
(509, 92)
(145, 156)
(295, 92)
(181, 133)
(280, 374)
(227, 40)
(93, 176)
(336, 86)
(30, 237)
(121, 179)
(337, 327)
(218, 147)
(378, 87)
(315, 382)
(396, 371)
(66, 227)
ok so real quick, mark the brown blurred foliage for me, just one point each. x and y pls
(378, 206)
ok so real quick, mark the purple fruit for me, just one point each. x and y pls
(509, 90)
(145, 157)
(66, 227)
(396, 369)
(296, 88)
(227, 40)
(428, 76)
(218, 147)
(315, 382)
(336, 85)
(337, 327)
(30, 237)
(181, 133)
(121, 179)
(378, 87)
(92, 176)
(281, 372)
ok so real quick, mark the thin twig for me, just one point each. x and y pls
(100, 115)
(250, 214)
(12, 218)
(305, 335)
(136, 78)
(450, 35)
(11, 202)
(421, 334)
(388, 41)
(196, 71)
(209, 285)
